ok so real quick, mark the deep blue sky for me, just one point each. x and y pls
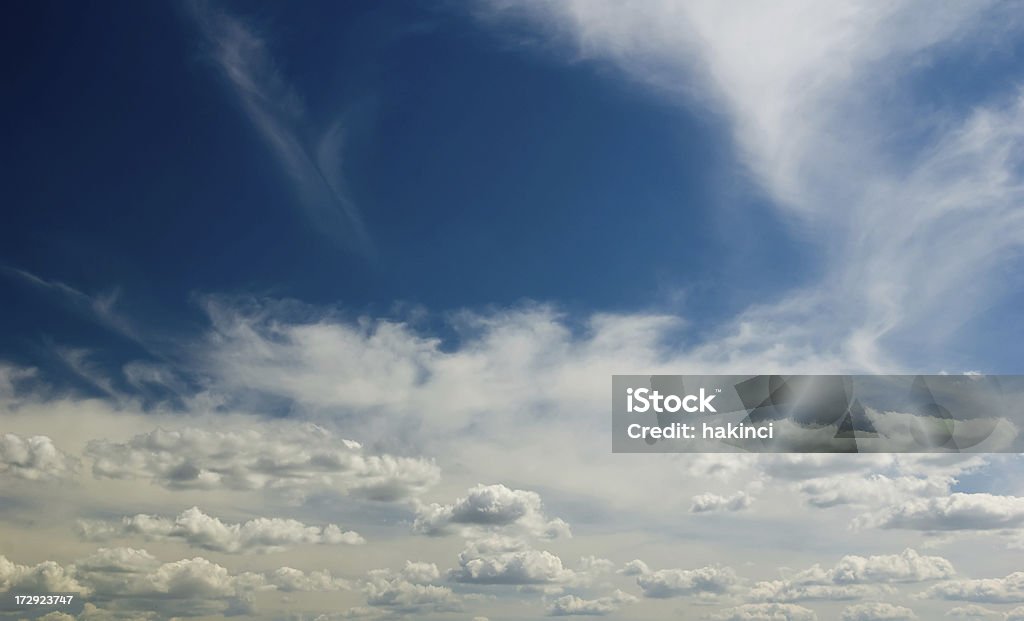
(487, 171)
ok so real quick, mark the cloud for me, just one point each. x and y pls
(1017, 614)
(45, 577)
(491, 506)
(276, 110)
(713, 503)
(853, 577)
(766, 612)
(295, 458)
(200, 530)
(501, 560)
(135, 583)
(798, 84)
(571, 605)
(971, 611)
(1008, 590)
(99, 308)
(34, 458)
(959, 511)
(409, 590)
(877, 611)
(665, 583)
(835, 491)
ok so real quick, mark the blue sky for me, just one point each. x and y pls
(308, 310)
(486, 173)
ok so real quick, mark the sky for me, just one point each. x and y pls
(310, 310)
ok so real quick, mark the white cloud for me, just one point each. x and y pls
(1017, 614)
(799, 84)
(871, 490)
(292, 457)
(132, 582)
(409, 590)
(957, 511)
(877, 611)
(33, 458)
(45, 577)
(501, 560)
(767, 612)
(714, 503)
(571, 605)
(1008, 590)
(972, 612)
(276, 110)
(491, 506)
(664, 583)
(853, 577)
(198, 529)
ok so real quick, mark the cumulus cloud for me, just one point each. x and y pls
(409, 590)
(33, 458)
(571, 605)
(502, 560)
(292, 457)
(491, 506)
(971, 611)
(713, 503)
(45, 577)
(877, 611)
(872, 490)
(766, 612)
(132, 582)
(853, 577)
(664, 583)
(1017, 614)
(200, 530)
(957, 511)
(1008, 590)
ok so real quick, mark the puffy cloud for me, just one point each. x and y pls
(409, 590)
(635, 567)
(877, 611)
(713, 503)
(570, 605)
(33, 458)
(491, 506)
(853, 577)
(1017, 614)
(874, 489)
(1008, 590)
(501, 560)
(132, 583)
(957, 511)
(44, 577)
(273, 456)
(805, 590)
(971, 612)
(289, 579)
(767, 612)
(908, 566)
(664, 583)
(198, 529)
(593, 565)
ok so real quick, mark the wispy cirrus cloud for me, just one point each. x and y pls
(276, 110)
(912, 212)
